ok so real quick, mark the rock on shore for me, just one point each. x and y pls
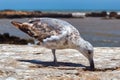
(6, 38)
(23, 62)
(30, 14)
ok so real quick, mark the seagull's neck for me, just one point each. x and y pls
(80, 43)
(83, 45)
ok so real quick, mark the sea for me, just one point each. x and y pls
(98, 31)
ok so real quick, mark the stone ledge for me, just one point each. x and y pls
(23, 62)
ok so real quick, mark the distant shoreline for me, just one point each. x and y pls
(66, 10)
(56, 14)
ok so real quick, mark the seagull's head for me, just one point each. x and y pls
(25, 27)
(87, 50)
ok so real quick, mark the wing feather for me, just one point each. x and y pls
(48, 30)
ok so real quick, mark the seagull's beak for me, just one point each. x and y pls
(92, 67)
(91, 61)
(16, 24)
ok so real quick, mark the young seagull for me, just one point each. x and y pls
(56, 34)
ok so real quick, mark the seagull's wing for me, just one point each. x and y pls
(48, 29)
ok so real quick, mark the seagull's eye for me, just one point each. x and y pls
(89, 51)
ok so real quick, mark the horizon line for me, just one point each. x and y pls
(71, 10)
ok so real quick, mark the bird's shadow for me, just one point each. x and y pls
(47, 63)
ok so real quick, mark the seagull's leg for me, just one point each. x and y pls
(55, 59)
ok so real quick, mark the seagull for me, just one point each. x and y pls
(55, 34)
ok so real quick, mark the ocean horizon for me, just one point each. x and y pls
(67, 10)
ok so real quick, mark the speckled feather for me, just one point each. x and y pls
(54, 33)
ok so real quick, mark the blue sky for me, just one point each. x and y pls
(60, 4)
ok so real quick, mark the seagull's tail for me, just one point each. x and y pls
(16, 24)
(22, 26)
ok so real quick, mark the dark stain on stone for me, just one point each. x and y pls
(103, 70)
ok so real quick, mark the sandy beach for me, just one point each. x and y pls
(23, 62)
